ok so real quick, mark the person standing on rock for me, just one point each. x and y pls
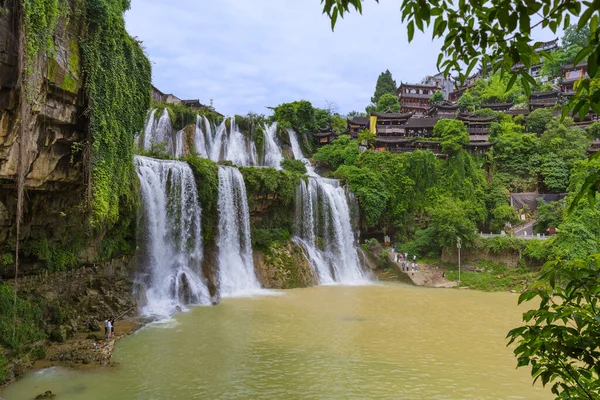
(108, 329)
(112, 328)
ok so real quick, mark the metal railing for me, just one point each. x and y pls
(527, 237)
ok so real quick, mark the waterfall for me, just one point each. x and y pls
(235, 265)
(148, 129)
(273, 156)
(296, 150)
(172, 239)
(178, 144)
(157, 132)
(324, 226)
(200, 139)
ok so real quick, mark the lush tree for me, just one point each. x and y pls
(554, 172)
(353, 114)
(449, 220)
(549, 215)
(495, 90)
(467, 102)
(294, 166)
(453, 134)
(437, 97)
(385, 85)
(370, 190)
(594, 130)
(538, 119)
(338, 123)
(486, 113)
(569, 143)
(388, 102)
(342, 151)
(576, 36)
(560, 338)
(367, 138)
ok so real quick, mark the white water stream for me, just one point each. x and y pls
(172, 239)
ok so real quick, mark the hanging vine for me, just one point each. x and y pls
(118, 87)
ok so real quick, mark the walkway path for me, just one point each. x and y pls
(427, 275)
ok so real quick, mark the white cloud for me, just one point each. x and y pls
(248, 54)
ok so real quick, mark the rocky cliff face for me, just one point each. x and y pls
(54, 153)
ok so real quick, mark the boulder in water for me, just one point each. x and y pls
(46, 395)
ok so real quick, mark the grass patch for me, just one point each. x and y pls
(491, 277)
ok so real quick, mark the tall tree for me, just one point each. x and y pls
(388, 102)
(385, 84)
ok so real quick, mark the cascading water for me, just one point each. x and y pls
(173, 241)
(157, 132)
(273, 156)
(178, 144)
(200, 138)
(235, 265)
(323, 226)
(296, 150)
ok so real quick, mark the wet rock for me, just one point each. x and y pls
(59, 334)
(46, 395)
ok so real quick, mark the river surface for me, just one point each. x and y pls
(386, 341)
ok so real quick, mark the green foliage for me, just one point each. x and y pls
(58, 255)
(265, 238)
(19, 333)
(490, 277)
(385, 85)
(495, 90)
(467, 102)
(486, 113)
(437, 97)
(549, 215)
(39, 20)
(559, 339)
(271, 182)
(388, 102)
(369, 189)
(338, 123)
(342, 151)
(537, 120)
(450, 218)
(453, 134)
(294, 166)
(206, 175)
(594, 130)
(368, 138)
(118, 89)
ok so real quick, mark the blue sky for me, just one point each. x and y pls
(250, 54)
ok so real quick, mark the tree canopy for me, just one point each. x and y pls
(385, 85)
(388, 102)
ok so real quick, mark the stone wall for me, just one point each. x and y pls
(510, 258)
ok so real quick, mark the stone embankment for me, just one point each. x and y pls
(427, 275)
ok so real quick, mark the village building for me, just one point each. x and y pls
(390, 123)
(443, 110)
(323, 137)
(446, 85)
(414, 98)
(356, 125)
(476, 125)
(594, 146)
(536, 69)
(498, 106)
(544, 100)
(571, 74)
(160, 97)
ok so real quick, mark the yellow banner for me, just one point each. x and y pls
(373, 125)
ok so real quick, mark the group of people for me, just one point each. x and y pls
(404, 261)
(109, 328)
